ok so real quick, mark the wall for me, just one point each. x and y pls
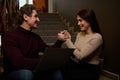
(108, 14)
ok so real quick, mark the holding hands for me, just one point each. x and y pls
(64, 35)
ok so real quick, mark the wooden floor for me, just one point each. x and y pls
(102, 77)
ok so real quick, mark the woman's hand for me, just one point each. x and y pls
(64, 35)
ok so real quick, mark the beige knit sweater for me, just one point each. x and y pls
(87, 48)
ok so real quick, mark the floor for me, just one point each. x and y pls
(102, 77)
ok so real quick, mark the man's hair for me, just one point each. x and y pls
(26, 9)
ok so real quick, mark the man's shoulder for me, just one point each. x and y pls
(13, 32)
(10, 34)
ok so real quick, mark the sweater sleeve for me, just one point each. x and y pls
(69, 43)
(87, 48)
(14, 55)
(58, 43)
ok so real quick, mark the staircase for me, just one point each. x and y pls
(49, 26)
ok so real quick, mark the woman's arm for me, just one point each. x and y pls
(87, 48)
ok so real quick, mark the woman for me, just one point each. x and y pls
(84, 64)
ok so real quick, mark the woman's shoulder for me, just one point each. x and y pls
(79, 33)
(97, 35)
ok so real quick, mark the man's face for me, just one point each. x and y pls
(33, 20)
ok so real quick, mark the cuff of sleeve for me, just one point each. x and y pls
(69, 43)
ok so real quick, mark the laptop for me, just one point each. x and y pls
(53, 58)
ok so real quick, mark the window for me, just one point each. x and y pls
(22, 2)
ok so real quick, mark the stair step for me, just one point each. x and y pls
(51, 27)
(49, 19)
(50, 22)
(49, 39)
(47, 32)
(48, 15)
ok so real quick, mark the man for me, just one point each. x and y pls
(20, 47)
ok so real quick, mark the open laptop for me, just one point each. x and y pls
(53, 58)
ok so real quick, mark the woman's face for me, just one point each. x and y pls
(84, 25)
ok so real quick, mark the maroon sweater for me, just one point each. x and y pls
(20, 49)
